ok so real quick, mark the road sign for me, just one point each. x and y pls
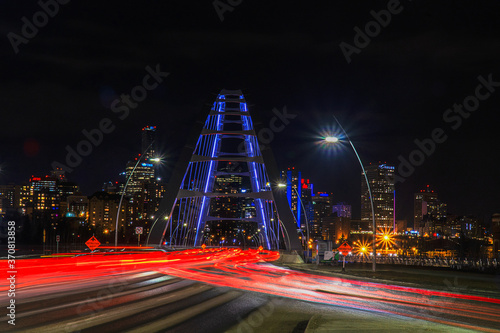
(344, 248)
(138, 230)
(203, 246)
(92, 243)
(58, 238)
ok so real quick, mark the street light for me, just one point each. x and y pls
(333, 139)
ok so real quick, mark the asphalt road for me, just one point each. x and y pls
(225, 291)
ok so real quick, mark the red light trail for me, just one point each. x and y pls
(248, 270)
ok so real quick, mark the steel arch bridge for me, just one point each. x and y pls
(226, 151)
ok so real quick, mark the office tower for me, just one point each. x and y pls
(429, 212)
(143, 190)
(148, 138)
(7, 198)
(138, 173)
(292, 177)
(45, 197)
(298, 187)
(322, 203)
(381, 179)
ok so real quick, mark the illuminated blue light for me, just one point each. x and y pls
(387, 167)
(147, 164)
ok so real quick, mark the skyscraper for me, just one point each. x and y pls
(322, 203)
(148, 138)
(143, 190)
(381, 179)
(292, 178)
(298, 187)
(429, 212)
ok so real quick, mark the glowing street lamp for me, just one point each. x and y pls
(333, 139)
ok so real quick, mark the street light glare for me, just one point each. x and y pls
(281, 185)
(331, 139)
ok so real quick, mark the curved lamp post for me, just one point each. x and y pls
(333, 139)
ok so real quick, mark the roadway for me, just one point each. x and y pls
(224, 290)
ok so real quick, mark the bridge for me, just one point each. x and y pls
(222, 188)
(208, 287)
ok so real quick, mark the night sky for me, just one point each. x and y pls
(396, 88)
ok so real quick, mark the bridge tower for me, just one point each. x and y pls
(225, 187)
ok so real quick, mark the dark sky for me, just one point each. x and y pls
(281, 54)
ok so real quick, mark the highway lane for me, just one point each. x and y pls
(214, 290)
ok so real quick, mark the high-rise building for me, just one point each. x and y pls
(148, 139)
(103, 209)
(45, 196)
(429, 212)
(381, 179)
(298, 187)
(139, 174)
(292, 177)
(322, 203)
(143, 190)
(7, 197)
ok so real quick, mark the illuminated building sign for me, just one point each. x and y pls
(384, 166)
(147, 165)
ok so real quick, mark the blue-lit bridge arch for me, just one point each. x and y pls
(204, 210)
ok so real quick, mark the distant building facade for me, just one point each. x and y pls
(429, 212)
(381, 180)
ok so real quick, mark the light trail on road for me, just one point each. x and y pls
(250, 270)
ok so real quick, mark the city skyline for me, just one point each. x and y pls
(147, 171)
(385, 103)
(236, 165)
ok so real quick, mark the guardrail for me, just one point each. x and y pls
(480, 264)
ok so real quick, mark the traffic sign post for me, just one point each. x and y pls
(58, 238)
(92, 243)
(138, 231)
(344, 249)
